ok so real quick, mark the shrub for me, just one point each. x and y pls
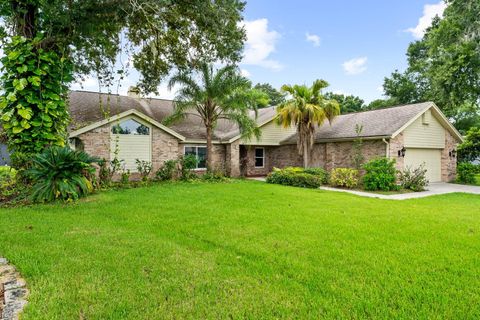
(413, 179)
(61, 173)
(380, 174)
(344, 177)
(167, 171)
(214, 176)
(125, 177)
(108, 170)
(144, 168)
(289, 177)
(8, 183)
(466, 173)
(187, 164)
(320, 172)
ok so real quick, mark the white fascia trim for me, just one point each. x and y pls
(123, 115)
(443, 119)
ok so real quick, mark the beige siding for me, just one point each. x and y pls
(425, 132)
(131, 147)
(272, 134)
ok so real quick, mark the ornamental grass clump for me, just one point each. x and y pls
(60, 173)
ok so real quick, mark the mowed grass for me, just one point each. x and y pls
(247, 250)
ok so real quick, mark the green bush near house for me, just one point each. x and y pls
(293, 177)
(466, 172)
(414, 179)
(344, 177)
(60, 173)
(380, 175)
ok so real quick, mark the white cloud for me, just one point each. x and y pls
(425, 21)
(313, 38)
(355, 66)
(260, 44)
(245, 73)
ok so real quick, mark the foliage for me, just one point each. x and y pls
(469, 149)
(466, 172)
(380, 174)
(61, 173)
(181, 169)
(125, 177)
(348, 104)
(9, 185)
(319, 172)
(344, 177)
(107, 171)
(307, 109)
(413, 179)
(144, 168)
(33, 108)
(289, 177)
(167, 171)
(221, 94)
(358, 158)
(214, 176)
(444, 66)
(275, 97)
(45, 42)
(381, 104)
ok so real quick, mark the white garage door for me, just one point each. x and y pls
(432, 159)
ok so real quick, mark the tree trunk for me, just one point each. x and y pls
(25, 24)
(305, 155)
(209, 148)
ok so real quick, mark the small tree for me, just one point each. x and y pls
(358, 156)
(221, 94)
(469, 150)
(306, 109)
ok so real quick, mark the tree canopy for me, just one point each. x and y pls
(444, 66)
(276, 97)
(348, 103)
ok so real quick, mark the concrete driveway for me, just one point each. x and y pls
(433, 189)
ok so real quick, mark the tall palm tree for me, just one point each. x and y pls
(218, 94)
(306, 109)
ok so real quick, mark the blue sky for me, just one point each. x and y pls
(351, 44)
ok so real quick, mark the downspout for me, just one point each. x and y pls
(387, 148)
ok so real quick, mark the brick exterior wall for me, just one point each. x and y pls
(232, 159)
(97, 142)
(164, 147)
(340, 154)
(449, 164)
(396, 144)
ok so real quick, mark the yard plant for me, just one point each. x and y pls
(216, 251)
(380, 175)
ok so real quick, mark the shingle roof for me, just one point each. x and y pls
(376, 123)
(90, 107)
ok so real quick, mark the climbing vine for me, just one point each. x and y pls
(34, 105)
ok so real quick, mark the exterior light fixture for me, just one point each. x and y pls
(401, 152)
(453, 153)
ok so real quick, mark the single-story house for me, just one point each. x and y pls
(130, 127)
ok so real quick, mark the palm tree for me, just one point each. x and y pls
(220, 94)
(306, 109)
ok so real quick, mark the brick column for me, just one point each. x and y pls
(232, 159)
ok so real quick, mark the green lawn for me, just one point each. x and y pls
(247, 250)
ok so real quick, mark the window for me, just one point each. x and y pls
(200, 152)
(259, 157)
(131, 126)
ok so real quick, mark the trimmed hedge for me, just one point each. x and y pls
(298, 177)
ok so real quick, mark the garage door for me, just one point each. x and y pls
(432, 159)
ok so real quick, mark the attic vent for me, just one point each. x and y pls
(426, 117)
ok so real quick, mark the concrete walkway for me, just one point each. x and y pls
(433, 189)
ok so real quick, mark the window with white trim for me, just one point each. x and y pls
(131, 126)
(200, 152)
(259, 157)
